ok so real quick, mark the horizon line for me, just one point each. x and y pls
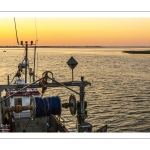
(18, 46)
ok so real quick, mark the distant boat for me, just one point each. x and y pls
(4, 51)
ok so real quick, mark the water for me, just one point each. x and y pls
(120, 92)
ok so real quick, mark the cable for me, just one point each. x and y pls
(29, 120)
(64, 85)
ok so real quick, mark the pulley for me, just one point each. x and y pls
(72, 104)
(22, 65)
(73, 108)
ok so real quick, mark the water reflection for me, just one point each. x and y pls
(119, 94)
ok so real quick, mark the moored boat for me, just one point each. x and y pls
(24, 109)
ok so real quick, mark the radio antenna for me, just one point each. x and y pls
(36, 32)
(35, 50)
(16, 31)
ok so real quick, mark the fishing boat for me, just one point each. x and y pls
(24, 108)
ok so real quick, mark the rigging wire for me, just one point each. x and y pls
(17, 33)
(21, 89)
(37, 67)
(24, 130)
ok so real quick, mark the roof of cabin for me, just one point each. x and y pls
(28, 92)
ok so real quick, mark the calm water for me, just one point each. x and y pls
(120, 92)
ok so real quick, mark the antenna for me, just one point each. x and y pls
(16, 31)
(36, 32)
(35, 51)
(26, 50)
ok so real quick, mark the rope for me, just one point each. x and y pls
(44, 107)
(29, 120)
(47, 106)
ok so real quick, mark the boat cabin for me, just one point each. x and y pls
(21, 98)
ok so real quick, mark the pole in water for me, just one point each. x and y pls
(72, 74)
(8, 79)
(34, 63)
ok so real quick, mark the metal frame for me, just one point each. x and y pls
(81, 113)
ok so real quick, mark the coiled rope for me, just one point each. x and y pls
(47, 106)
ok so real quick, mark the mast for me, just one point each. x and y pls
(26, 60)
(34, 63)
(26, 52)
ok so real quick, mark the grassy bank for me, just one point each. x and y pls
(137, 52)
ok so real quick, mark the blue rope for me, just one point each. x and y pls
(47, 106)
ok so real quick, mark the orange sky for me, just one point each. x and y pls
(77, 31)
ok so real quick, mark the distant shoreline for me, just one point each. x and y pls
(137, 52)
(77, 46)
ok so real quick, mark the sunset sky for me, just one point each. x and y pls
(77, 31)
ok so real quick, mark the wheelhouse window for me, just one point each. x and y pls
(18, 101)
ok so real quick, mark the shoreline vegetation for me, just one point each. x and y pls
(78, 46)
(137, 52)
(129, 52)
(53, 46)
